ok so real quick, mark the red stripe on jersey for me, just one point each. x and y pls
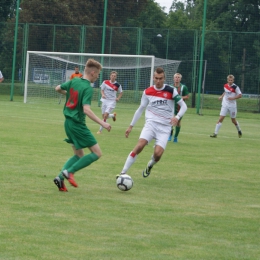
(111, 85)
(151, 91)
(230, 88)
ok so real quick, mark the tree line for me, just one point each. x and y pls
(239, 15)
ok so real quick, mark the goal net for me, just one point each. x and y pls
(46, 70)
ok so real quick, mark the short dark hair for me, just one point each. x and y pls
(159, 70)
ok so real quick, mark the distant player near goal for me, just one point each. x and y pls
(76, 73)
(158, 102)
(184, 93)
(229, 105)
(109, 90)
(1, 77)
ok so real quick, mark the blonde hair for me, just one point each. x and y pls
(230, 77)
(177, 74)
(113, 72)
(91, 63)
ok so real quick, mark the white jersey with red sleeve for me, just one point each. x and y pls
(110, 90)
(230, 91)
(159, 104)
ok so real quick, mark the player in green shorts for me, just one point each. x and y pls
(184, 93)
(79, 93)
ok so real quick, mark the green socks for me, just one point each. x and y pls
(68, 164)
(83, 162)
(171, 131)
(177, 130)
(76, 163)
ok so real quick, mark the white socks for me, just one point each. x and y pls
(129, 161)
(152, 162)
(238, 126)
(218, 125)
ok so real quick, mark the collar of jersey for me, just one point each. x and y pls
(159, 89)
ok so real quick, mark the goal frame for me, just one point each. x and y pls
(152, 57)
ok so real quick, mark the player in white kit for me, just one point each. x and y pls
(109, 90)
(158, 103)
(1, 77)
(229, 105)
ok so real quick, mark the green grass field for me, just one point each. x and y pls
(201, 200)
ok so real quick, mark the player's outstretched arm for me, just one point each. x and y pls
(183, 109)
(220, 97)
(93, 117)
(137, 115)
(119, 96)
(128, 131)
(185, 97)
(103, 94)
(60, 90)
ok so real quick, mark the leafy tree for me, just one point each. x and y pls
(57, 12)
(183, 15)
(119, 11)
(7, 9)
(153, 17)
(239, 15)
(80, 12)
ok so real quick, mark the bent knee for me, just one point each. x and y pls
(98, 154)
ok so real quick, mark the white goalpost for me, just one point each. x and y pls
(46, 70)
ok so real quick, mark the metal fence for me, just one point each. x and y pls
(224, 53)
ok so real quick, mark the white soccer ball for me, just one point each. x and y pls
(124, 182)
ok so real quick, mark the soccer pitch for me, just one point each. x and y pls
(201, 200)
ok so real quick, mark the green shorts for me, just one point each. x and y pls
(78, 134)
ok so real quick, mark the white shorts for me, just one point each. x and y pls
(108, 106)
(153, 130)
(231, 110)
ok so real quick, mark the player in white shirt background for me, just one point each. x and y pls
(229, 105)
(158, 102)
(1, 77)
(109, 90)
